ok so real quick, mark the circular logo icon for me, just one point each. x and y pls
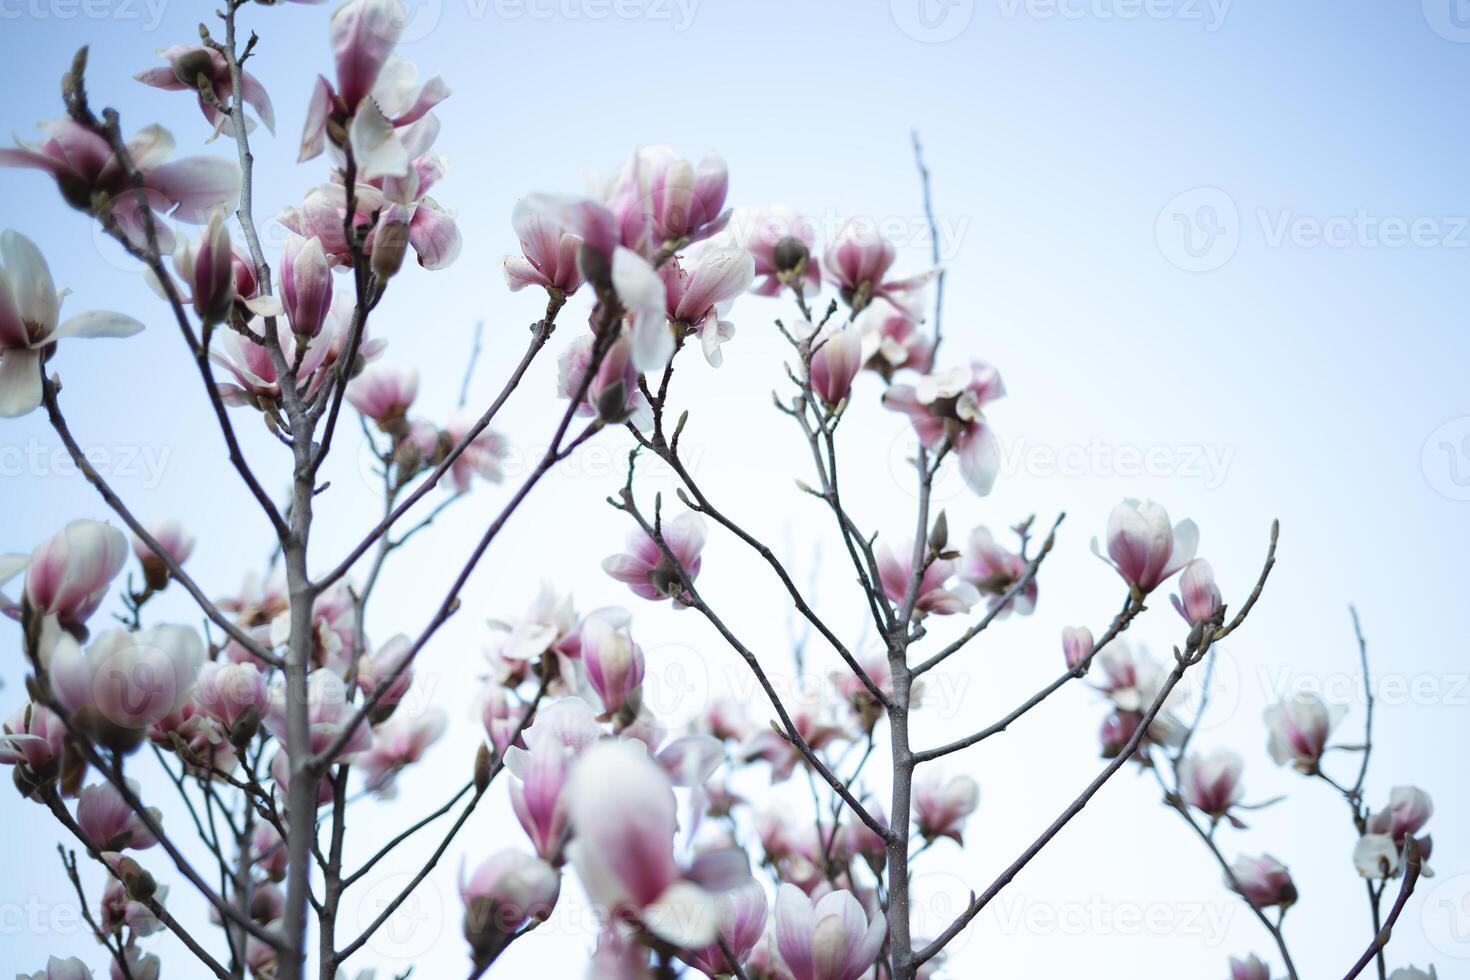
(948, 483)
(1450, 19)
(1445, 459)
(932, 21)
(1445, 916)
(1199, 230)
(413, 928)
(937, 898)
(675, 685)
(1217, 681)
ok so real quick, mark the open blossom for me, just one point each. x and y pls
(548, 624)
(188, 63)
(781, 242)
(384, 392)
(613, 661)
(226, 691)
(68, 574)
(616, 375)
(107, 821)
(432, 232)
(484, 457)
(1299, 727)
(836, 359)
(622, 810)
(1250, 968)
(830, 939)
(895, 571)
(1143, 547)
(661, 200)
(950, 405)
(125, 680)
(893, 340)
(994, 570)
(742, 923)
(33, 737)
(1380, 852)
(1199, 598)
(255, 382)
(1263, 881)
(645, 568)
(328, 713)
(333, 627)
(1077, 645)
(942, 806)
(91, 179)
(505, 892)
(700, 287)
(389, 660)
(59, 969)
(1211, 784)
(858, 261)
(30, 309)
(548, 248)
(398, 744)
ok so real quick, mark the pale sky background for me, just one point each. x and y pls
(1229, 239)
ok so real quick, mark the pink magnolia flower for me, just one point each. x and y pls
(30, 309)
(941, 807)
(548, 248)
(548, 625)
(662, 201)
(564, 730)
(34, 738)
(205, 742)
(1263, 881)
(226, 691)
(505, 892)
(175, 542)
(397, 745)
(119, 911)
(328, 713)
(125, 680)
(622, 809)
(188, 62)
(67, 969)
(107, 821)
(858, 261)
(950, 405)
(306, 285)
(742, 923)
(1380, 852)
(90, 178)
(67, 575)
(852, 690)
(1143, 547)
(1077, 645)
(616, 373)
(774, 228)
(830, 939)
(334, 628)
(432, 232)
(896, 570)
(836, 359)
(613, 661)
(1199, 598)
(249, 364)
(700, 288)
(1211, 784)
(893, 340)
(483, 458)
(813, 721)
(645, 568)
(1250, 968)
(268, 851)
(384, 392)
(376, 668)
(994, 570)
(1298, 730)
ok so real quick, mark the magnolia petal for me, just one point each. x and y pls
(20, 383)
(99, 323)
(375, 144)
(685, 915)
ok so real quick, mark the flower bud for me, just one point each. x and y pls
(389, 246)
(214, 272)
(790, 256)
(482, 769)
(194, 63)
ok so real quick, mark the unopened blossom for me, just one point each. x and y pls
(124, 681)
(506, 891)
(384, 392)
(501, 716)
(831, 939)
(742, 923)
(995, 570)
(119, 910)
(622, 809)
(836, 359)
(613, 393)
(548, 248)
(1199, 598)
(328, 714)
(1077, 645)
(1299, 727)
(942, 806)
(1142, 545)
(398, 744)
(34, 738)
(90, 178)
(58, 969)
(173, 540)
(893, 340)
(68, 574)
(934, 596)
(701, 286)
(1250, 968)
(948, 406)
(191, 65)
(782, 244)
(614, 663)
(212, 276)
(388, 664)
(227, 691)
(109, 823)
(537, 794)
(1380, 852)
(30, 323)
(1263, 881)
(858, 261)
(201, 742)
(1211, 783)
(647, 570)
(306, 285)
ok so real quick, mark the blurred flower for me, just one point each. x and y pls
(384, 392)
(614, 663)
(857, 262)
(125, 680)
(1298, 730)
(68, 574)
(107, 821)
(176, 542)
(893, 340)
(1211, 784)
(1263, 881)
(831, 939)
(742, 921)
(398, 744)
(1077, 645)
(328, 714)
(941, 807)
(1250, 968)
(781, 243)
(505, 892)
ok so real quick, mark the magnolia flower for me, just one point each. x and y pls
(645, 568)
(994, 571)
(125, 680)
(836, 359)
(1199, 598)
(109, 823)
(67, 969)
(333, 628)
(484, 457)
(173, 540)
(1077, 645)
(34, 737)
(892, 340)
(505, 892)
(613, 392)
(328, 714)
(397, 745)
(90, 178)
(254, 372)
(896, 570)
(852, 690)
(1250, 968)
(67, 575)
(384, 392)
(1262, 881)
(613, 661)
(857, 262)
(622, 810)
(537, 795)
(431, 232)
(700, 288)
(1299, 727)
(812, 720)
(1380, 852)
(548, 248)
(950, 406)
(29, 322)
(228, 691)
(742, 923)
(941, 806)
(831, 939)
(306, 285)
(268, 851)
(1211, 784)
(781, 244)
(1143, 547)
(389, 664)
(661, 201)
(189, 65)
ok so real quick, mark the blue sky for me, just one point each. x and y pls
(1218, 252)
